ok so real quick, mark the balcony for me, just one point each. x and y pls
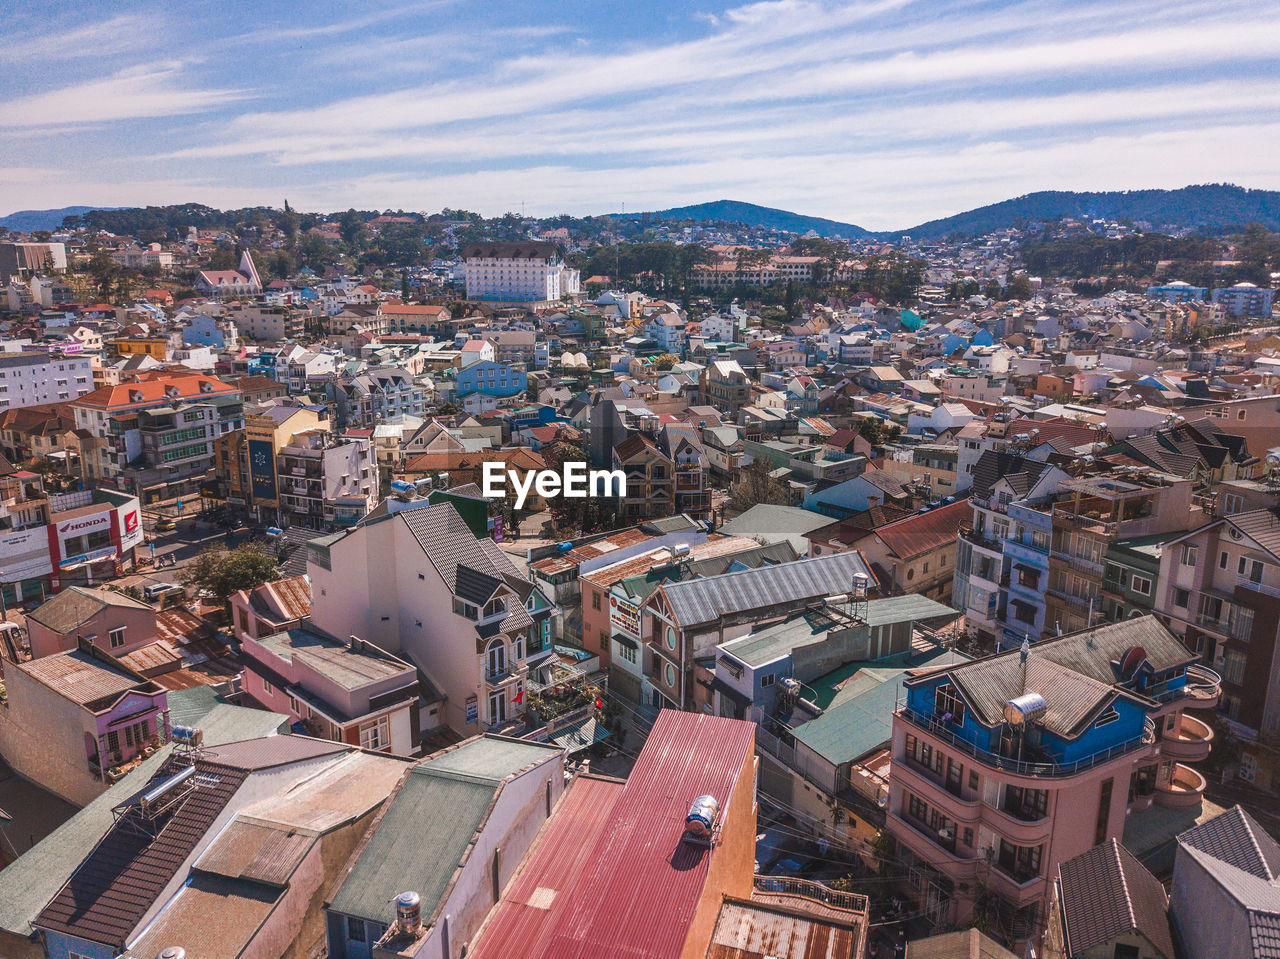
(1019, 767)
(1190, 741)
(1185, 788)
(980, 538)
(803, 892)
(1204, 686)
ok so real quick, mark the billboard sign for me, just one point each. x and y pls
(262, 470)
(624, 616)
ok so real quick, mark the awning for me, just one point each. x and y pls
(627, 641)
(578, 736)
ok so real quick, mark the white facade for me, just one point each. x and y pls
(27, 379)
(519, 279)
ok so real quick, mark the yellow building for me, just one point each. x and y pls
(157, 347)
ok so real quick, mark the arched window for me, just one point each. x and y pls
(496, 657)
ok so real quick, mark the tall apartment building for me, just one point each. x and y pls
(28, 379)
(326, 479)
(1244, 299)
(1219, 590)
(1006, 766)
(155, 437)
(370, 398)
(1178, 291)
(525, 272)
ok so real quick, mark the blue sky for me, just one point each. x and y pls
(882, 112)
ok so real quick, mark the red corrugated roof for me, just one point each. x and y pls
(612, 879)
(925, 531)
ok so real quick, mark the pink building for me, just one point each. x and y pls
(1006, 766)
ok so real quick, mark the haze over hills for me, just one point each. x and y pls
(26, 221)
(1210, 207)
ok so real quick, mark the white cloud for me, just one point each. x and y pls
(152, 91)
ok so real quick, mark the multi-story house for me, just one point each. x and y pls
(1092, 512)
(723, 385)
(346, 691)
(650, 489)
(491, 379)
(413, 317)
(1007, 766)
(74, 721)
(522, 272)
(272, 323)
(375, 396)
(416, 582)
(682, 622)
(1219, 590)
(326, 479)
(156, 436)
(28, 379)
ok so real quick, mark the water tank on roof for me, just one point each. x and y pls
(172, 952)
(701, 821)
(187, 735)
(274, 531)
(563, 547)
(409, 913)
(400, 486)
(1025, 709)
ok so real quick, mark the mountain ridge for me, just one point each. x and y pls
(1209, 206)
(28, 221)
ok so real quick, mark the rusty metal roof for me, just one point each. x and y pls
(620, 882)
(80, 677)
(757, 930)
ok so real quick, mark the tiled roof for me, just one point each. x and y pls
(450, 545)
(111, 891)
(1260, 525)
(1106, 894)
(66, 610)
(1235, 838)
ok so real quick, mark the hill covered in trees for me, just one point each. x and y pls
(749, 214)
(1209, 208)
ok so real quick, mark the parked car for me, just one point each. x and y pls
(154, 590)
(165, 526)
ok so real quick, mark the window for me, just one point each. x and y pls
(671, 638)
(463, 608)
(355, 929)
(595, 600)
(1189, 553)
(116, 637)
(1181, 598)
(495, 607)
(1232, 503)
(376, 735)
(267, 688)
(767, 680)
(1141, 585)
(497, 657)
(517, 646)
(1222, 560)
(1233, 663)
(947, 705)
(1104, 812)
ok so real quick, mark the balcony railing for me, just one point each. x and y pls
(1257, 587)
(1022, 767)
(813, 891)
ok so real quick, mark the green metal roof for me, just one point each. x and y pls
(428, 827)
(911, 608)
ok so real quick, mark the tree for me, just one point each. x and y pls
(872, 430)
(350, 226)
(755, 486)
(223, 571)
(664, 361)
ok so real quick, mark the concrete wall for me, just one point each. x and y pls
(1208, 920)
(42, 736)
(140, 629)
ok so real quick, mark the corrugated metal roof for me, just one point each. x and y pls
(705, 600)
(68, 609)
(262, 852)
(606, 884)
(79, 677)
(754, 930)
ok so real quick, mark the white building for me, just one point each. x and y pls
(27, 379)
(517, 272)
